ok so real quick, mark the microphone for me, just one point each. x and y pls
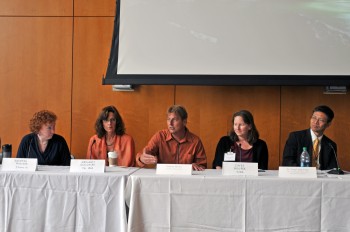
(30, 143)
(93, 142)
(240, 152)
(336, 171)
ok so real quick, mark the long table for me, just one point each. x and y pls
(208, 201)
(53, 199)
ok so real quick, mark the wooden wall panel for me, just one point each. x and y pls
(210, 110)
(35, 73)
(94, 7)
(36, 7)
(297, 104)
(143, 110)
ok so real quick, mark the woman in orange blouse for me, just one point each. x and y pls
(110, 136)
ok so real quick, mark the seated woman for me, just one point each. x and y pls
(49, 148)
(110, 136)
(244, 141)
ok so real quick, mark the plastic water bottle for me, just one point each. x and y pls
(304, 158)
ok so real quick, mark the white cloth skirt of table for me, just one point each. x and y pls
(208, 201)
(53, 199)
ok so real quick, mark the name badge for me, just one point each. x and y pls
(297, 172)
(87, 165)
(174, 169)
(19, 164)
(230, 156)
(239, 169)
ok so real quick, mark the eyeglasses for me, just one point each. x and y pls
(111, 120)
(321, 120)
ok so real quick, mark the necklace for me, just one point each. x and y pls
(110, 144)
(113, 141)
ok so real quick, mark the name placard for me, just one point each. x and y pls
(297, 172)
(174, 169)
(87, 165)
(19, 164)
(239, 169)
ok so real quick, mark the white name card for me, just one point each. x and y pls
(19, 164)
(239, 169)
(297, 172)
(87, 165)
(230, 156)
(174, 169)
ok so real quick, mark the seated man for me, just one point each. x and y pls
(319, 146)
(175, 145)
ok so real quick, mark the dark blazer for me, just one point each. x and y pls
(299, 139)
(260, 152)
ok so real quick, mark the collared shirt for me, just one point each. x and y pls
(170, 151)
(313, 138)
(124, 145)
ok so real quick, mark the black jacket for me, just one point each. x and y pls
(299, 139)
(260, 152)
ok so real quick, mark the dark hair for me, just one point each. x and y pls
(119, 127)
(40, 118)
(179, 110)
(326, 110)
(253, 134)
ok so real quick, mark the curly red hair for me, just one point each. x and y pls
(41, 118)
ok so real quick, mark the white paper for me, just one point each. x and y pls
(19, 164)
(297, 172)
(230, 156)
(87, 165)
(239, 169)
(174, 169)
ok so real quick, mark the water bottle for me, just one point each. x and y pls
(304, 158)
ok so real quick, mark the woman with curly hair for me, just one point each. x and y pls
(110, 136)
(49, 148)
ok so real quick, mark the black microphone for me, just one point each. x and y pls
(336, 171)
(31, 140)
(93, 142)
(240, 152)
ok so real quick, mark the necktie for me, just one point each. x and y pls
(315, 151)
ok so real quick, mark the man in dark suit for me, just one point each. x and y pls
(322, 156)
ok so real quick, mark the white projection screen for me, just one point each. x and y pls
(225, 42)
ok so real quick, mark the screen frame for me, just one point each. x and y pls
(263, 80)
(113, 78)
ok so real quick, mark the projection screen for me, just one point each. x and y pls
(224, 42)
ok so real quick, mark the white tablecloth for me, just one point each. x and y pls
(208, 201)
(52, 199)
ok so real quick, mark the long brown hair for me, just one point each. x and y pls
(253, 134)
(119, 128)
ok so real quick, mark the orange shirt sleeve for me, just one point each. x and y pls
(126, 148)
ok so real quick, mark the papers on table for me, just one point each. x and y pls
(239, 169)
(297, 172)
(174, 169)
(19, 164)
(87, 165)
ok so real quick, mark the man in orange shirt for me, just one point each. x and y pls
(175, 145)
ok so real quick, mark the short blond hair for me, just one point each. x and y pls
(179, 110)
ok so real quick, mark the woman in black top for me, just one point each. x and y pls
(43, 144)
(243, 141)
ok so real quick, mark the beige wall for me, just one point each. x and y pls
(55, 52)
